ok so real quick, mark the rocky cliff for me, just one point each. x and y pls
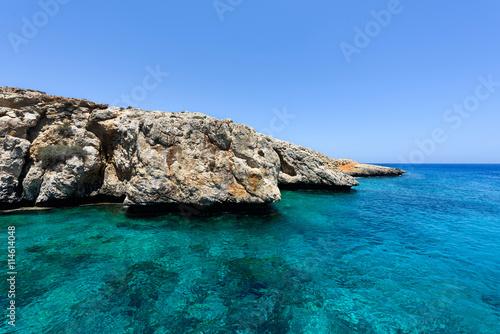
(54, 150)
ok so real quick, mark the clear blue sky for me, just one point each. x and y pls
(267, 56)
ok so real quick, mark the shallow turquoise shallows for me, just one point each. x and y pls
(413, 254)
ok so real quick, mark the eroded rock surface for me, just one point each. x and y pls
(55, 149)
(304, 168)
(163, 157)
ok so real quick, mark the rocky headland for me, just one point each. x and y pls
(56, 150)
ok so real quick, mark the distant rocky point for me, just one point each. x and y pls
(59, 151)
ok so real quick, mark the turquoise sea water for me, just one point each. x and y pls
(412, 254)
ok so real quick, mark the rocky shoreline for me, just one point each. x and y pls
(64, 151)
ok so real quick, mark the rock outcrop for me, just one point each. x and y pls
(55, 149)
(303, 168)
(356, 169)
(163, 157)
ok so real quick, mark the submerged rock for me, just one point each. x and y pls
(492, 300)
(55, 149)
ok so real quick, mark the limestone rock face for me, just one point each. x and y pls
(304, 168)
(58, 149)
(55, 149)
(12, 97)
(164, 157)
(33, 121)
(12, 157)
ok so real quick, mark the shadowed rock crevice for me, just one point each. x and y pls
(285, 167)
(105, 137)
(33, 132)
(26, 167)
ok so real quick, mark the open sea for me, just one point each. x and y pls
(413, 254)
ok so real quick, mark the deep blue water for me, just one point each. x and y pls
(413, 254)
